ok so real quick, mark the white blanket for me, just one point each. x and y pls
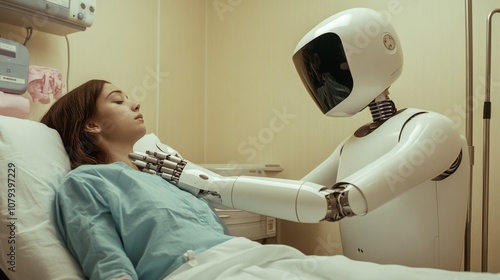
(240, 258)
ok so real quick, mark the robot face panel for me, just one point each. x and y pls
(325, 71)
(347, 60)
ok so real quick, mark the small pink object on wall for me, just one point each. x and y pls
(44, 81)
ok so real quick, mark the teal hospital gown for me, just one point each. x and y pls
(116, 220)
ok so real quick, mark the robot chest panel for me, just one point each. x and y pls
(360, 151)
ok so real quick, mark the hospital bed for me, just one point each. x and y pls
(33, 161)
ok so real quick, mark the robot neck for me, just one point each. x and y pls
(382, 108)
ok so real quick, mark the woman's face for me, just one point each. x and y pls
(117, 118)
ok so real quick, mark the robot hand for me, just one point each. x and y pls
(291, 200)
(167, 166)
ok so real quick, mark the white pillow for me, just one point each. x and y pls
(151, 142)
(32, 163)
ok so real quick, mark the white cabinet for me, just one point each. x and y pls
(250, 225)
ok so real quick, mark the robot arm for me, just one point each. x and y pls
(428, 144)
(298, 201)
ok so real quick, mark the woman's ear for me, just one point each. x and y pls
(92, 127)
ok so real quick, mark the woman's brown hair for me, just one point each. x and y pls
(69, 115)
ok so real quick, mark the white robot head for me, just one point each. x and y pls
(349, 59)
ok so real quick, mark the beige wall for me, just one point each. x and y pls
(182, 92)
(120, 47)
(226, 90)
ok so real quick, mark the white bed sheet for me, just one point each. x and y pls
(243, 259)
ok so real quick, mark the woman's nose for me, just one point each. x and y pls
(136, 107)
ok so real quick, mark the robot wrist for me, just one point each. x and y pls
(338, 202)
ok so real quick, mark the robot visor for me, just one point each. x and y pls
(322, 65)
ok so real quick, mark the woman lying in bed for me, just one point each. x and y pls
(120, 223)
(116, 221)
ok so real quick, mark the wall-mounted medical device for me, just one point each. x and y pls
(14, 67)
(59, 17)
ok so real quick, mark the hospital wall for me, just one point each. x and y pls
(215, 81)
(116, 48)
(259, 112)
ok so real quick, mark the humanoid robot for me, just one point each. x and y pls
(398, 185)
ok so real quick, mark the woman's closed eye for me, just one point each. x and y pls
(118, 100)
